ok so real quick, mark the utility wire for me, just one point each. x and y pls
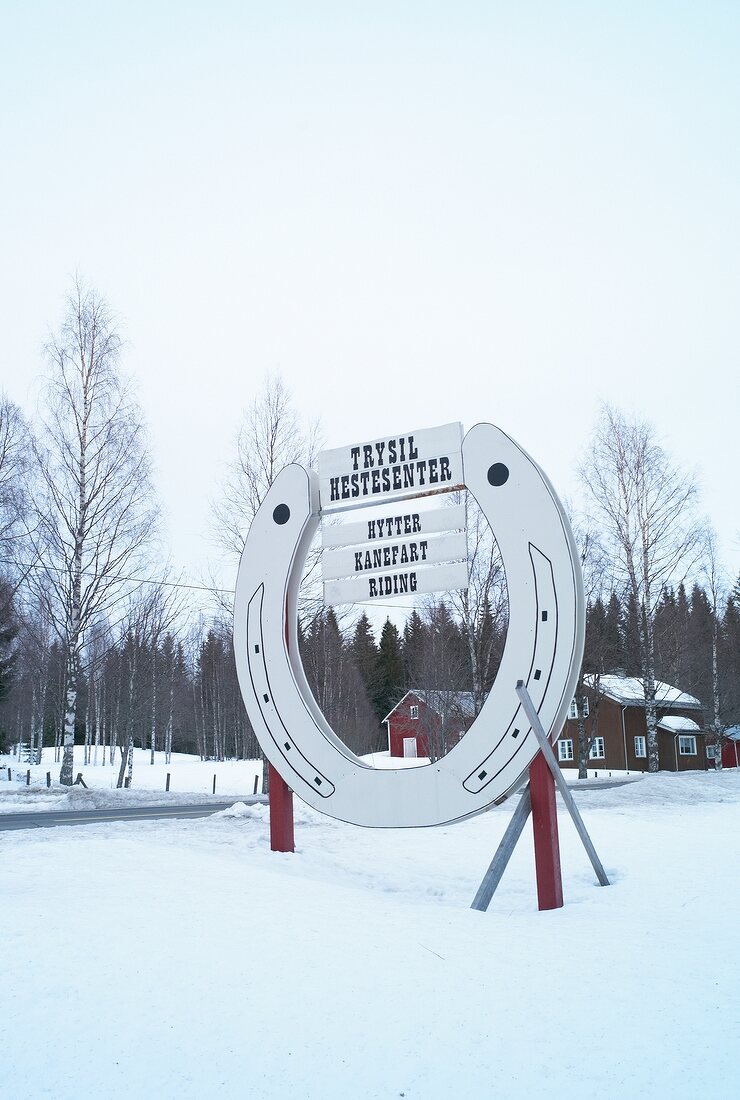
(134, 580)
(180, 584)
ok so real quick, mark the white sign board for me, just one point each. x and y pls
(380, 586)
(394, 526)
(353, 561)
(411, 465)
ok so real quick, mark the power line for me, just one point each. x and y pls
(179, 584)
(134, 580)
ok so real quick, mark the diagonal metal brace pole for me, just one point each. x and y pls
(492, 877)
(549, 755)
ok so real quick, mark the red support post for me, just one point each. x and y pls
(282, 837)
(545, 830)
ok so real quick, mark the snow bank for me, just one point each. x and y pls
(187, 960)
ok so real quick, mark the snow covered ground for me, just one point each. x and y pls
(185, 960)
(190, 779)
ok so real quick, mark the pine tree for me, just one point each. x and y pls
(595, 637)
(389, 685)
(729, 661)
(413, 642)
(8, 634)
(613, 643)
(632, 647)
(698, 677)
(365, 652)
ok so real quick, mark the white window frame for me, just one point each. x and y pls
(711, 751)
(413, 712)
(640, 748)
(685, 743)
(597, 750)
(573, 711)
(565, 749)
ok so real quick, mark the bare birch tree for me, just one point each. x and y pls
(271, 436)
(646, 509)
(716, 591)
(14, 471)
(93, 512)
(483, 607)
(597, 580)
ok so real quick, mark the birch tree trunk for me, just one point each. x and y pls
(647, 510)
(93, 507)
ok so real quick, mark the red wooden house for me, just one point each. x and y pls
(731, 747)
(428, 723)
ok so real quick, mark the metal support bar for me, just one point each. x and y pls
(492, 877)
(549, 755)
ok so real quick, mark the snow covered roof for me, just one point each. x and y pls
(630, 692)
(733, 732)
(674, 723)
(461, 702)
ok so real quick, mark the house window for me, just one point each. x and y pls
(565, 749)
(711, 751)
(413, 712)
(640, 746)
(596, 751)
(686, 745)
(573, 712)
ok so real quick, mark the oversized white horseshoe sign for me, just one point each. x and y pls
(544, 646)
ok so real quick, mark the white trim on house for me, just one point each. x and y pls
(597, 750)
(565, 749)
(573, 709)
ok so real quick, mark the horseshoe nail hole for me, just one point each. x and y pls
(281, 514)
(482, 775)
(317, 781)
(537, 673)
(515, 733)
(498, 474)
(256, 649)
(266, 697)
(544, 616)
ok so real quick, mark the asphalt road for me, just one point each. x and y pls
(44, 819)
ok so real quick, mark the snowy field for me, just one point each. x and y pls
(190, 779)
(183, 959)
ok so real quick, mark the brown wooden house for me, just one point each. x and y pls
(616, 721)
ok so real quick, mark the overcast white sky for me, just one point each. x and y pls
(415, 212)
